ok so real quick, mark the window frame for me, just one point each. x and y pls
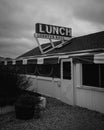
(89, 87)
(42, 74)
(71, 69)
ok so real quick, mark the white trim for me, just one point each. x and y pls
(56, 79)
(99, 58)
(78, 74)
(40, 61)
(44, 78)
(24, 61)
(92, 88)
(13, 62)
(31, 76)
(99, 61)
(64, 56)
(5, 62)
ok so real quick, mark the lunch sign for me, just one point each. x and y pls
(52, 32)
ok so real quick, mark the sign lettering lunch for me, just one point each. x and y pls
(53, 32)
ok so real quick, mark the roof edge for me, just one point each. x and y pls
(66, 53)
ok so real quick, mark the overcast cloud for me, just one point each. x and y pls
(18, 18)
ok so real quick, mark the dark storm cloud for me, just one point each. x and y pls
(13, 19)
(16, 27)
(18, 18)
(90, 10)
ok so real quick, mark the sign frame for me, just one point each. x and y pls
(47, 31)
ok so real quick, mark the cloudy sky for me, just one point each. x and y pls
(18, 19)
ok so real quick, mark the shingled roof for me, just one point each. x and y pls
(82, 43)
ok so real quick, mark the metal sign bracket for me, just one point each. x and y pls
(50, 47)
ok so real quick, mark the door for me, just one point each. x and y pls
(67, 81)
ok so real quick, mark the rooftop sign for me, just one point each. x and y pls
(52, 32)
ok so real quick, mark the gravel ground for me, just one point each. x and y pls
(56, 116)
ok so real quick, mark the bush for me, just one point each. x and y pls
(28, 100)
(12, 85)
(26, 106)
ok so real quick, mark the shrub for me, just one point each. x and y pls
(12, 85)
(26, 106)
(28, 100)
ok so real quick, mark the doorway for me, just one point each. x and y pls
(67, 81)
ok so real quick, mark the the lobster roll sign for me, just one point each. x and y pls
(52, 32)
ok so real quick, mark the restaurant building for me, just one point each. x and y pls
(70, 70)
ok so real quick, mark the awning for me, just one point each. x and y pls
(9, 62)
(99, 58)
(89, 59)
(32, 61)
(51, 60)
(19, 62)
(54, 60)
(45, 60)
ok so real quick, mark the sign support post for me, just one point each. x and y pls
(38, 43)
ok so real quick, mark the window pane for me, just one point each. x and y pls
(21, 69)
(102, 75)
(56, 71)
(30, 69)
(66, 70)
(45, 70)
(90, 74)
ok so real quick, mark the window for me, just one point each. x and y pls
(31, 69)
(93, 75)
(48, 70)
(66, 70)
(102, 75)
(44, 70)
(20, 69)
(56, 71)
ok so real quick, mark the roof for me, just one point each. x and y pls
(82, 43)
